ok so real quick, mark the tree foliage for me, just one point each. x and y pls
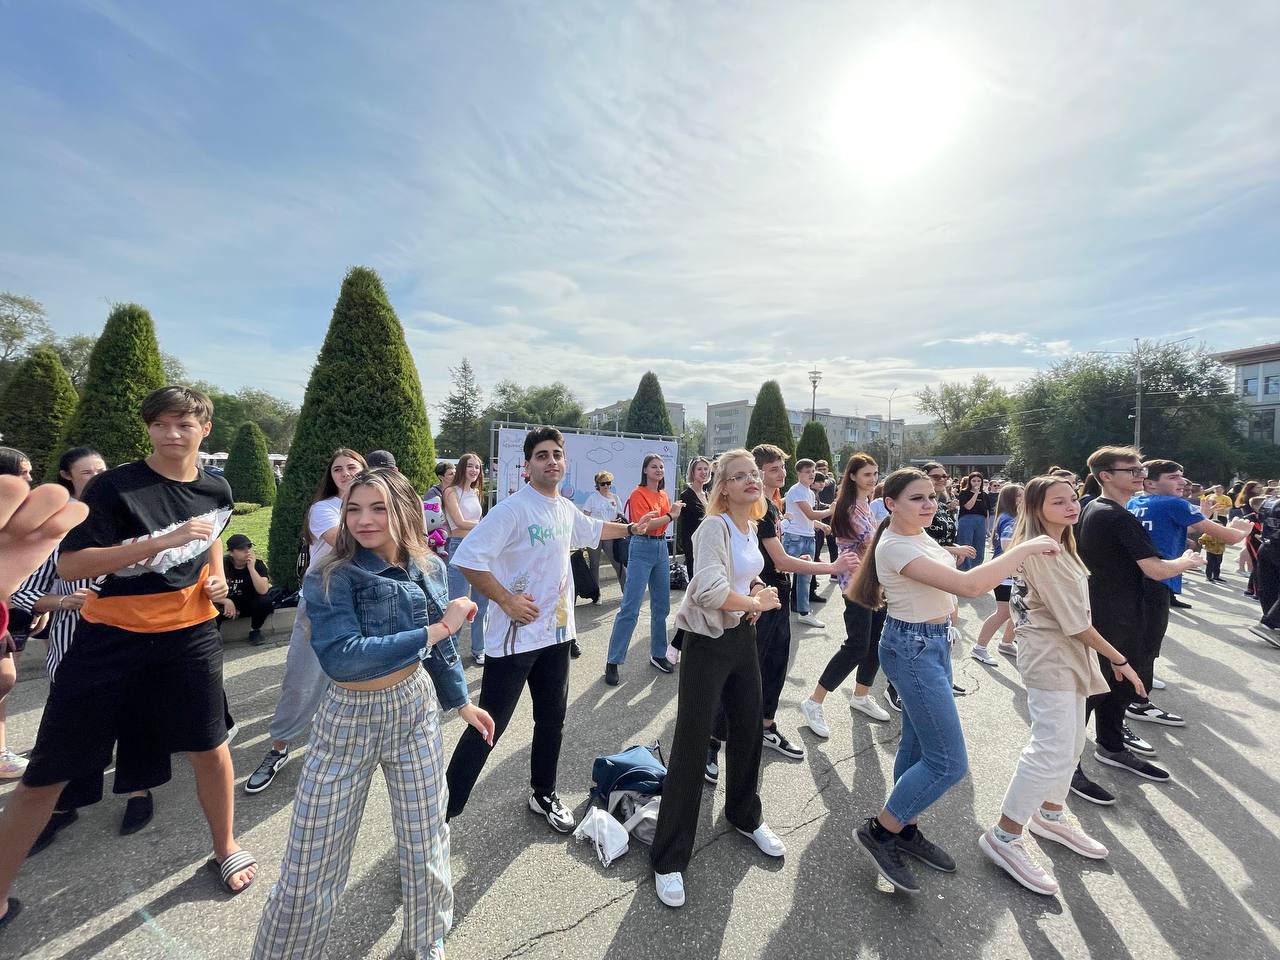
(22, 324)
(276, 418)
(972, 417)
(364, 393)
(770, 424)
(462, 427)
(554, 405)
(124, 367)
(648, 410)
(74, 352)
(693, 442)
(814, 444)
(248, 469)
(35, 408)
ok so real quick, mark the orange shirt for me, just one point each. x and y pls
(642, 500)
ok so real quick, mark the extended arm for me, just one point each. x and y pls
(980, 579)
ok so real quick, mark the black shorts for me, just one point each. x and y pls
(1002, 592)
(171, 682)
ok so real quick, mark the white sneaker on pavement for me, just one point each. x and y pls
(12, 766)
(867, 704)
(983, 655)
(1014, 860)
(670, 888)
(809, 620)
(768, 841)
(1068, 832)
(814, 718)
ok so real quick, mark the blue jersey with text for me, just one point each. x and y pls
(1167, 520)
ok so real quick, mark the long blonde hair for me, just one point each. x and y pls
(404, 523)
(718, 498)
(1030, 525)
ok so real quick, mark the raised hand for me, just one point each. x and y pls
(32, 523)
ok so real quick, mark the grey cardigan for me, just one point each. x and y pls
(711, 583)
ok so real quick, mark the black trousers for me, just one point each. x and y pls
(1140, 645)
(1267, 578)
(712, 670)
(1212, 566)
(773, 650)
(546, 671)
(256, 606)
(860, 650)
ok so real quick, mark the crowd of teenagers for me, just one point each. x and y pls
(123, 572)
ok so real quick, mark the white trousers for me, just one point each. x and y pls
(1048, 761)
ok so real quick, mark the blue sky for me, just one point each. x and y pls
(723, 193)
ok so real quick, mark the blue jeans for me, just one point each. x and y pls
(460, 587)
(648, 565)
(971, 531)
(796, 546)
(916, 657)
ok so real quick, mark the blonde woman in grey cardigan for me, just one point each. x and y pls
(718, 665)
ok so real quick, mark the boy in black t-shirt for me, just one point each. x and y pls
(147, 636)
(248, 586)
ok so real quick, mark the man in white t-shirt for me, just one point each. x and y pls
(518, 556)
(800, 525)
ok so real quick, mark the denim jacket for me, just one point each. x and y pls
(372, 621)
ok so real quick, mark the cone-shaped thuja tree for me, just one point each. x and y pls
(770, 424)
(249, 468)
(364, 394)
(814, 444)
(124, 367)
(35, 408)
(648, 410)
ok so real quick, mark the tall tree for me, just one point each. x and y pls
(123, 368)
(648, 410)
(693, 442)
(248, 468)
(462, 429)
(364, 393)
(74, 352)
(814, 444)
(553, 404)
(276, 418)
(22, 324)
(35, 408)
(972, 417)
(770, 424)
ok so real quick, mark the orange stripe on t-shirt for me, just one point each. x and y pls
(153, 612)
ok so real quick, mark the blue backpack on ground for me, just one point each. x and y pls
(636, 769)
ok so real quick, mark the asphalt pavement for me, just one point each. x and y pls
(1193, 869)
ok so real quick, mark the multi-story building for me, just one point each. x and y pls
(727, 427)
(1258, 383)
(614, 417)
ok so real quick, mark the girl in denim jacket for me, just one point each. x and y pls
(379, 613)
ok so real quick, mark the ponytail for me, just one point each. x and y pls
(864, 588)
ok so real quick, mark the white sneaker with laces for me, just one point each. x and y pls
(983, 655)
(814, 718)
(12, 766)
(768, 841)
(809, 620)
(1013, 859)
(1067, 831)
(670, 888)
(867, 704)
(1157, 684)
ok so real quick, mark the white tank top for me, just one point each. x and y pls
(469, 507)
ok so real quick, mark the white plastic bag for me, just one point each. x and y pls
(606, 833)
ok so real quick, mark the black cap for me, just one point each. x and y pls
(381, 458)
(238, 541)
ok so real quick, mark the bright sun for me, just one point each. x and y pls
(899, 107)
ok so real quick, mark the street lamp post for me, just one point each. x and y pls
(889, 399)
(815, 377)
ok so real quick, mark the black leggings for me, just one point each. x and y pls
(860, 650)
(546, 671)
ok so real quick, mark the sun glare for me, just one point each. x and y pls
(897, 108)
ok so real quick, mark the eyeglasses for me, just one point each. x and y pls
(1136, 471)
(754, 476)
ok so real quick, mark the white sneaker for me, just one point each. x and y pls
(1157, 684)
(768, 841)
(1013, 859)
(670, 888)
(868, 705)
(1008, 649)
(1067, 831)
(814, 718)
(12, 766)
(983, 655)
(809, 620)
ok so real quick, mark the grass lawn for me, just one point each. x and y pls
(256, 526)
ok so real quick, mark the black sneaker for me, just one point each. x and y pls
(256, 639)
(887, 856)
(261, 778)
(138, 812)
(58, 821)
(774, 739)
(557, 813)
(1082, 786)
(1179, 604)
(815, 598)
(957, 690)
(663, 664)
(611, 674)
(712, 772)
(1149, 713)
(1135, 765)
(1137, 744)
(575, 651)
(926, 851)
(892, 699)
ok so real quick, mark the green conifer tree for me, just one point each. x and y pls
(248, 468)
(814, 444)
(35, 408)
(648, 410)
(770, 424)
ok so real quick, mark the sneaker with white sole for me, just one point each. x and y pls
(1008, 649)
(663, 664)
(768, 841)
(776, 740)
(711, 773)
(1086, 789)
(12, 766)
(549, 806)
(867, 704)
(814, 718)
(809, 620)
(261, 778)
(1067, 831)
(983, 655)
(1013, 859)
(1157, 684)
(670, 887)
(892, 699)
(1149, 713)
(1136, 743)
(1127, 760)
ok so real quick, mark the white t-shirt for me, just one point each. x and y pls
(469, 507)
(602, 507)
(323, 517)
(795, 522)
(525, 542)
(748, 562)
(905, 599)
